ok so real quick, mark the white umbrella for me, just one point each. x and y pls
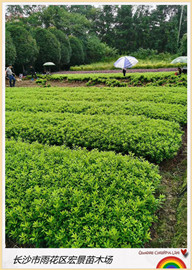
(48, 64)
(180, 59)
(126, 62)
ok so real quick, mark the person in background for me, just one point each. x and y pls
(32, 72)
(10, 75)
(184, 70)
(124, 71)
(179, 71)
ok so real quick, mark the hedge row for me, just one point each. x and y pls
(58, 198)
(96, 95)
(149, 78)
(155, 140)
(171, 112)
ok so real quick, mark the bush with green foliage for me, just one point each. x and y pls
(152, 139)
(170, 112)
(167, 95)
(43, 82)
(58, 198)
(131, 79)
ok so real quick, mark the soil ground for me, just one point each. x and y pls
(116, 71)
(30, 83)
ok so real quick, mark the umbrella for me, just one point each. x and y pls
(48, 64)
(126, 62)
(180, 59)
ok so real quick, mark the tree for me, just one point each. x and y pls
(25, 44)
(70, 23)
(64, 44)
(105, 25)
(10, 50)
(165, 20)
(141, 28)
(49, 47)
(77, 55)
(96, 50)
(123, 29)
(183, 46)
(22, 11)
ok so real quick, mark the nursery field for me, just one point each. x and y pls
(82, 163)
(117, 79)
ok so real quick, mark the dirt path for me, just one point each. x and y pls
(116, 71)
(170, 231)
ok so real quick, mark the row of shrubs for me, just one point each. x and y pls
(158, 110)
(153, 139)
(117, 79)
(58, 198)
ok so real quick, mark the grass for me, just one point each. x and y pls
(142, 64)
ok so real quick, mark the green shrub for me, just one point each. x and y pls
(58, 198)
(171, 112)
(43, 82)
(173, 95)
(132, 79)
(155, 140)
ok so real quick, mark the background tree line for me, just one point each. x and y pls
(82, 34)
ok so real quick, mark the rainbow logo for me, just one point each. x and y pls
(171, 262)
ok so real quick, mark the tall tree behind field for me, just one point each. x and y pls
(124, 32)
(165, 21)
(183, 46)
(105, 25)
(71, 24)
(25, 44)
(49, 47)
(141, 27)
(77, 54)
(127, 28)
(20, 11)
(10, 50)
(64, 44)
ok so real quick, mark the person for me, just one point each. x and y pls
(32, 72)
(10, 76)
(179, 71)
(124, 71)
(184, 70)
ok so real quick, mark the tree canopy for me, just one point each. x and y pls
(49, 47)
(25, 44)
(63, 30)
(10, 50)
